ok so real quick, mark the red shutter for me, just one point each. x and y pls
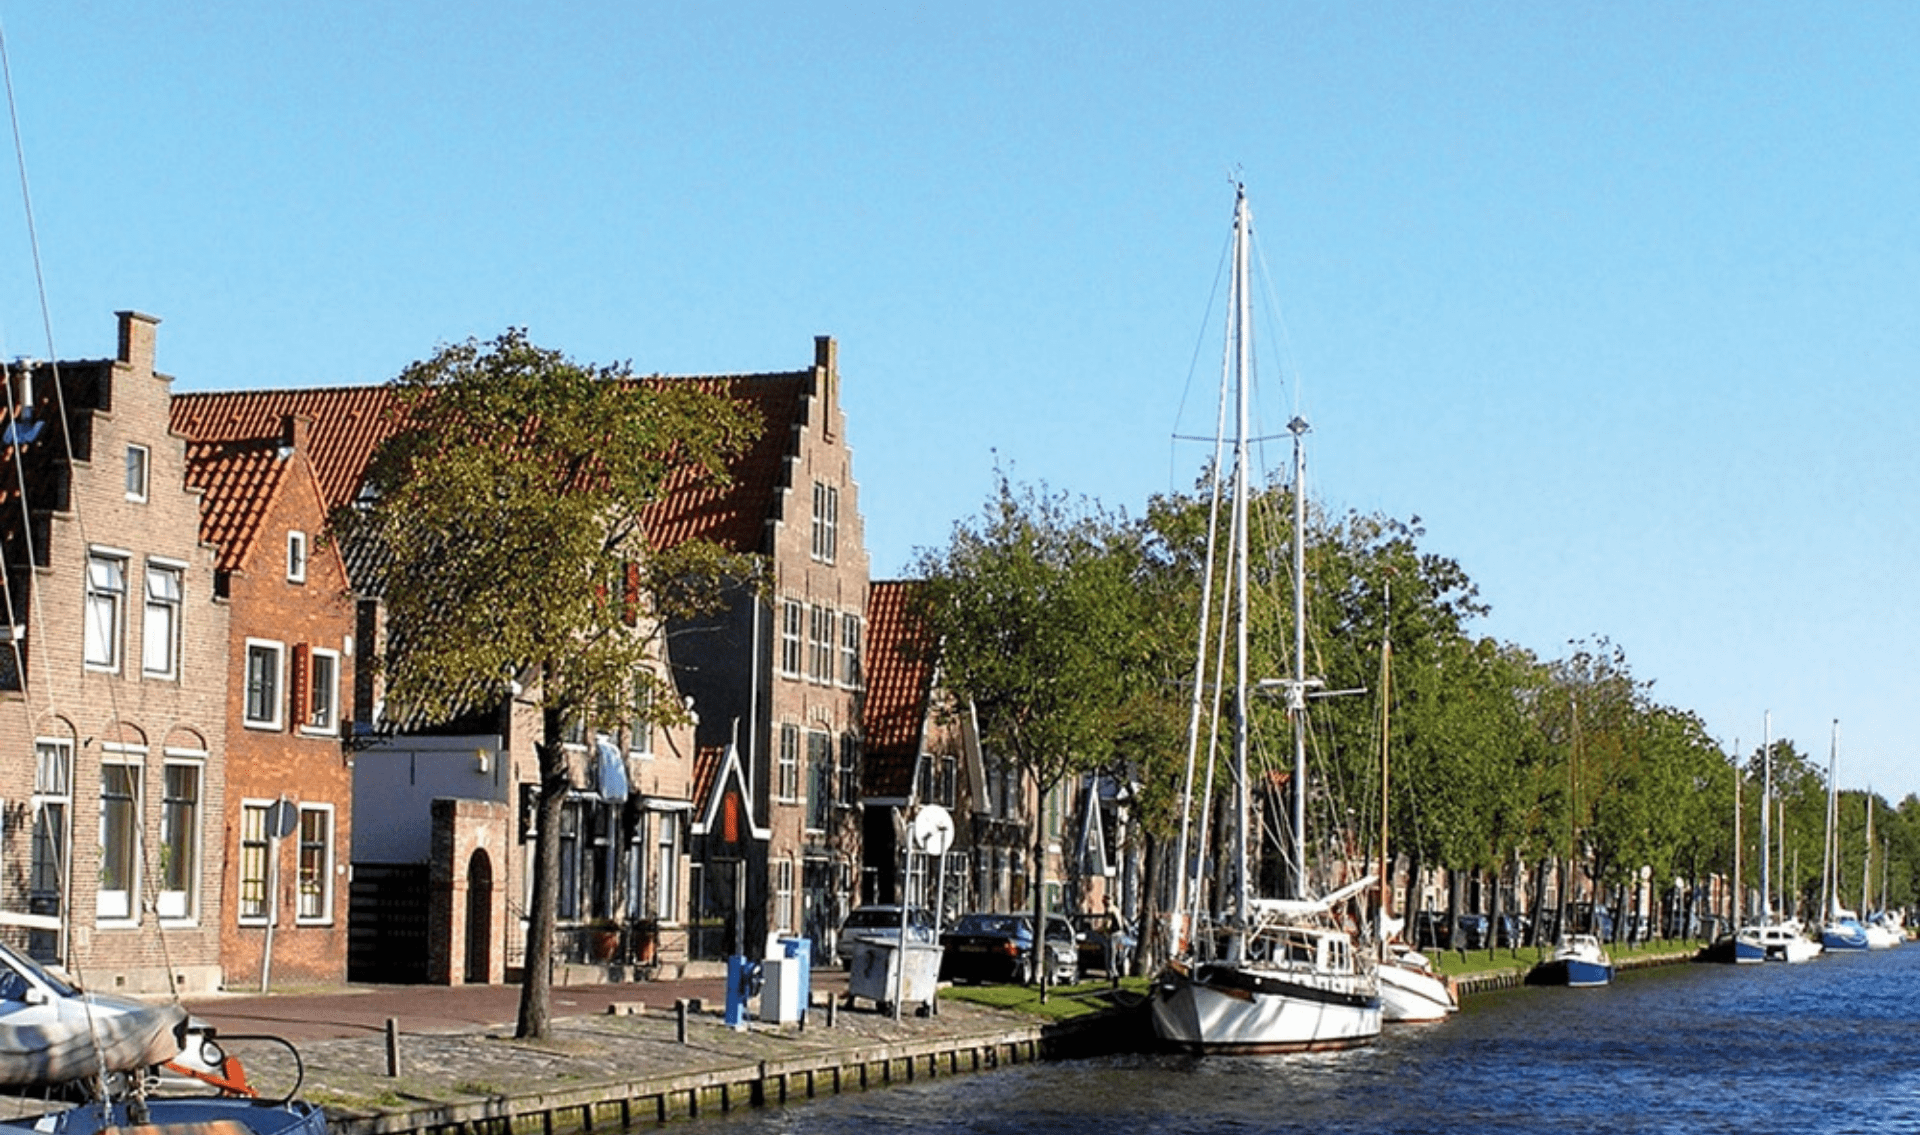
(301, 679)
(630, 609)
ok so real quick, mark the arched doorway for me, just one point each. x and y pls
(479, 918)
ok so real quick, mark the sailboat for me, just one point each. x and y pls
(1273, 975)
(1410, 990)
(1770, 939)
(1841, 929)
(1577, 960)
(1881, 934)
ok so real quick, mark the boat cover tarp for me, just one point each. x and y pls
(116, 1040)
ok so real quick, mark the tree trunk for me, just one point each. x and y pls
(1040, 959)
(536, 981)
(1146, 950)
(1498, 911)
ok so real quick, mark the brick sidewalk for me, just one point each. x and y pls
(456, 1046)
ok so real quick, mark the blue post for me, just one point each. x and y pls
(743, 981)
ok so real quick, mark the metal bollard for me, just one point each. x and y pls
(680, 1010)
(393, 1046)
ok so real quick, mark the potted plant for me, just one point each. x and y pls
(603, 939)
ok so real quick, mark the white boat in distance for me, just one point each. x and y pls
(1271, 975)
(1773, 942)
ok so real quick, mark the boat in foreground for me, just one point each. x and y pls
(78, 1063)
(1297, 988)
(1270, 975)
(1579, 961)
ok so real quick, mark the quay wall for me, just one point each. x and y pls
(713, 1091)
(693, 1093)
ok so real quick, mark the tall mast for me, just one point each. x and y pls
(1866, 868)
(1829, 864)
(1297, 692)
(1386, 700)
(1766, 820)
(1737, 904)
(1243, 353)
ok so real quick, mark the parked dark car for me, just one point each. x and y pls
(1105, 943)
(999, 947)
(880, 923)
(1471, 932)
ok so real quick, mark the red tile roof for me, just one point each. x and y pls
(735, 517)
(240, 480)
(350, 422)
(707, 762)
(900, 674)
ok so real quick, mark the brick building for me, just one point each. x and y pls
(288, 817)
(114, 684)
(778, 676)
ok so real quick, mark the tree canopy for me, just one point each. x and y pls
(507, 513)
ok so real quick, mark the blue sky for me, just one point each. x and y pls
(1620, 298)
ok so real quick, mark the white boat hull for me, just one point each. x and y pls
(1218, 1008)
(1412, 995)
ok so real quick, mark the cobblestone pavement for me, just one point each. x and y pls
(456, 1044)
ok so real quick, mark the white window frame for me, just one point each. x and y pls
(278, 696)
(826, 522)
(169, 609)
(105, 617)
(783, 874)
(666, 896)
(120, 905)
(317, 660)
(821, 624)
(52, 792)
(850, 674)
(139, 472)
(296, 556)
(792, 626)
(262, 810)
(325, 917)
(787, 785)
(821, 772)
(181, 906)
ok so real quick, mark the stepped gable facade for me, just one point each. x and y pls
(113, 679)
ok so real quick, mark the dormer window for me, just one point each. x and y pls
(138, 459)
(296, 557)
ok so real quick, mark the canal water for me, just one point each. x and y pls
(1829, 1047)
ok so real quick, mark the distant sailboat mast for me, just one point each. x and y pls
(1766, 821)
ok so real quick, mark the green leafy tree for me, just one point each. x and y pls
(508, 509)
(1037, 616)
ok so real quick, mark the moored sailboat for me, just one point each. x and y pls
(1272, 975)
(1771, 939)
(1841, 929)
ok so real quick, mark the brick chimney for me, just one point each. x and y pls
(294, 429)
(826, 379)
(136, 339)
